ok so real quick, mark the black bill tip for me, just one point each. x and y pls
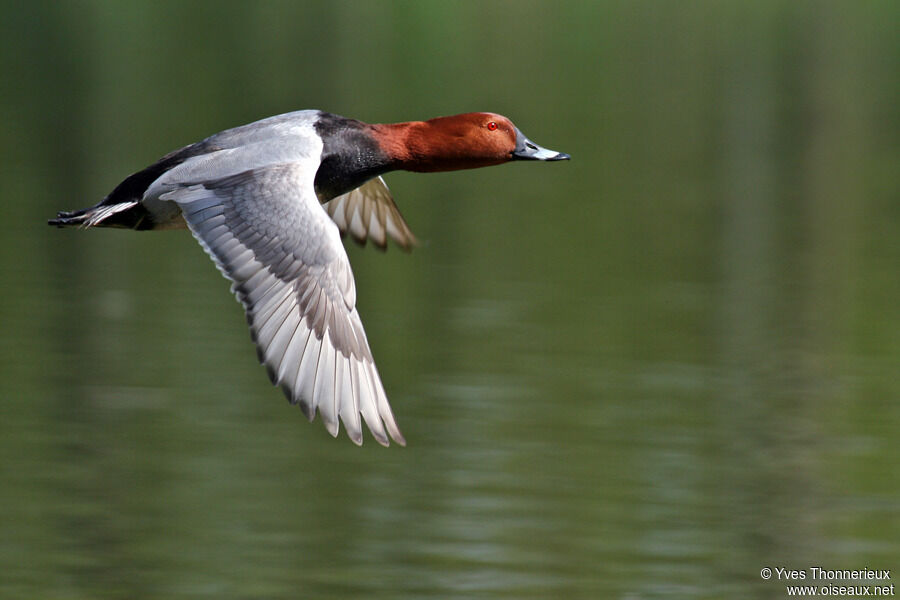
(528, 150)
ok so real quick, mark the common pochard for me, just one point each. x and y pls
(253, 196)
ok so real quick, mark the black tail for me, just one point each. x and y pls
(125, 215)
(68, 218)
(122, 207)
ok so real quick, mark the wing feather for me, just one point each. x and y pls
(266, 231)
(368, 213)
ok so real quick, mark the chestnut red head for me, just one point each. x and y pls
(463, 141)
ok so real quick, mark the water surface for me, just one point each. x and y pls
(645, 373)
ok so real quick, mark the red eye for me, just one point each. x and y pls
(491, 126)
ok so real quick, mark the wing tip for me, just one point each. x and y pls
(409, 245)
(384, 440)
(397, 436)
(355, 436)
(332, 427)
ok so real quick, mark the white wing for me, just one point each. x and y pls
(266, 231)
(369, 212)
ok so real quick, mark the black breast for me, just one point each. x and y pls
(350, 155)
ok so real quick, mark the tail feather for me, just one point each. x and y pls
(65, 218)
(127, 215)
(122, 207)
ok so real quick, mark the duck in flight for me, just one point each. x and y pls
(269, 202)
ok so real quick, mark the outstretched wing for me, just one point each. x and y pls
(369, 212)
(266, 231)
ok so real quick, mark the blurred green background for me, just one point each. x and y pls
(645, 373)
